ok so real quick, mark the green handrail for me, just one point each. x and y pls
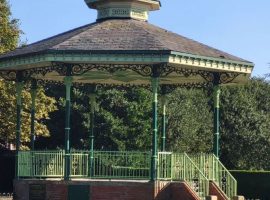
(214, 170)
(124, 165)
(79, 164)
(179, 167)
(191, 174)
(107, 164)
(41, 163)
(164, 166)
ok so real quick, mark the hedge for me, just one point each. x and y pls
(253, 184)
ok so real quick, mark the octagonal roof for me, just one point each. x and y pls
(123, 41)
(121, 35)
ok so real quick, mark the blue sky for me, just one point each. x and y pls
(239, 27)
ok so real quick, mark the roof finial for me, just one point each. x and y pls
(136, 9)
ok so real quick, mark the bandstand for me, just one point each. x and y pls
(121, 48)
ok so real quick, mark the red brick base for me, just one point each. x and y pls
(216, 191)
(109, 190)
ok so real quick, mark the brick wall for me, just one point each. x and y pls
(107, 190)
(216, 191)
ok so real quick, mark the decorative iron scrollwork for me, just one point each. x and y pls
(13, 75)
(207, 76)
(145, 70)
(218, 78)
(186, 72)
(196, 182)
(8, 75)
(228, 77)
(224, 183)
(163, 70)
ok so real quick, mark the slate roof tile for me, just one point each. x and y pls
(122, 35)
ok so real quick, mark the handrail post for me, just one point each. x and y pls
(19, 87)
(155, 83)
(68, 83)
(216, 113)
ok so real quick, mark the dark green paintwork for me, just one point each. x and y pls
(68, 83)
(33, 112)
(19, 88)
(163, 147)
(78, 192)
(155, 130)
(216, 120)
(92, 102)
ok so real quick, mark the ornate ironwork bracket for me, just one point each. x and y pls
(20, 76)
(218, 77)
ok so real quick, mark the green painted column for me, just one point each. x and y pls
(68, 84)
(19, 89)
(164, 104)
(216, 119)
(155, 82)
(33, 112)
(92, 98)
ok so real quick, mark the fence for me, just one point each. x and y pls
(174, 166)
(214, 170)
(135, 165)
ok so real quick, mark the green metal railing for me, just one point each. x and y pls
(48, 164)
(215, 171)
(41, 164)
(79, 161)
(196, 170)
(179, 167)
(164, 166)
(135, 165)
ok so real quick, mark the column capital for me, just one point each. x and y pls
(68, 80)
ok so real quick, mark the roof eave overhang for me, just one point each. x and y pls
(210, 63)
(43, 59)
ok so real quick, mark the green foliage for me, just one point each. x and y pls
(44, 105)
(126, 117)
(9, 37)
(245, 125)
(9, 31)
(189, 121)
(122, 120)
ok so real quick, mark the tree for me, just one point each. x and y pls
(9, 38)
(9, 30)
(122, 119)
(189, 121)
(245, 114)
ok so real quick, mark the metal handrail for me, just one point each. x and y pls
(214, 170)
(124, 165)
(179, 167)
(106, 164)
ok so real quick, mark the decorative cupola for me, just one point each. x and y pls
(135, 9)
